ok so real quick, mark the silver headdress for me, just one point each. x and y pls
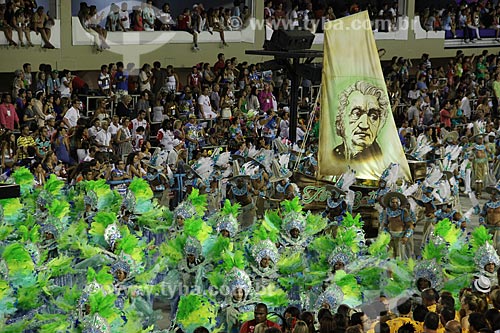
(430, 271)
(120, 265)
(485, 255)
(112, 234)
(185, 210)
(49, 228)
(263, 249)
(95, 323)
(90, 289)
(294, 220)
(229, 223)
(332, 297)
(90, 198)
(238, 278)
(192, 247)
(341, 254)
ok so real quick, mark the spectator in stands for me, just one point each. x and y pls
(8, 115)
(113, 20)
(143, 103)
(172, 82)
(140, 121)
(28, 77)
(184, 24)
(206, 109)
(159, 76)
(145, 77)
(73, 114)
(53, 82)
(6, 28)
(21, 23)
(217, 26)
(26, 144)
(164, 17)
(104, 82)
(219, 66)
(42, 25)
(124, 17)
(29, 117)
(194, 79)
(9, 150)
(148, 16)
(18, 82)
(122, 109)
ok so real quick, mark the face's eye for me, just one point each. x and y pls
(373, 115)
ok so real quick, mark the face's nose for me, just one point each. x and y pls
(363, 121)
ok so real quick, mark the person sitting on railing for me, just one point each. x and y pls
(42, 25)
(148, 16)
(124, 17)
(164, 18)
(113, 20)
(184, 24)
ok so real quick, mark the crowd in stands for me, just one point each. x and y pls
(148, 18)
(469, 18)
(22, 17)
(229, 104)
(312, 15)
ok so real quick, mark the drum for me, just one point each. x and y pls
(226, 113)
(418, 169)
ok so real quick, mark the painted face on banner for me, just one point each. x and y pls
(362, 121)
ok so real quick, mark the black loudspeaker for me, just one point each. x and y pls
(290, 40)
(311, 72)
(9, 191)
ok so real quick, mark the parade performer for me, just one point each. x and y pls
(490, 214)
(396, 220)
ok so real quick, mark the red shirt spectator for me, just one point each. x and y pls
(260, 316)
(445, 115)
(8, 114)
(194, 79)
(220, 64)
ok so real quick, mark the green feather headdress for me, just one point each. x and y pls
(197, 228)
(194, 311)
(350, 221)
(272, 222)
(59, 209)
(104, 305)
(101, 221)
(290, 262)
(229, 209)
(198, 201)
(480, 236)
(25, 179)
(54, 186)
(231, 260)
(29, 235)
(261, 233)
(379, 247)
(18, 259)
(433, 250)
(273, 296)
(291, 205)
(12, 210)
(314, 224)
(7, 300)
(447, 231)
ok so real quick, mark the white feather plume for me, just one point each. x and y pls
(410, 190)
(284, 159)
(433, 177)
(469, 213)
(393, 174)
(252, 152)
(249, 168)
(204, 167)
(346, 180)
(223, 159)
(473, 199)
(444, 190)
(463, 166)
(422, 147)
(413, 204)
(350, 196)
